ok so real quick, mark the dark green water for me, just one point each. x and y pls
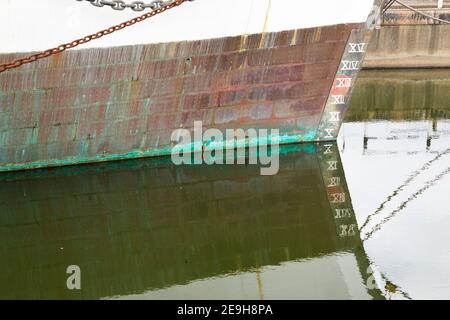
(151, 230)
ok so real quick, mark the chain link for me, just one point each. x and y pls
(44, 54)
(135, 5)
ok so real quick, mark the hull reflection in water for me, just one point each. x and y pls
(149, 229)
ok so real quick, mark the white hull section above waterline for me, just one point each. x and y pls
(30, 25)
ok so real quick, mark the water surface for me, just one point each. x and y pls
(395, 148)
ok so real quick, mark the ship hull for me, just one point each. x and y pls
(117, 103)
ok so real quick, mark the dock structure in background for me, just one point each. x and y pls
(409, 39)
(397, 14)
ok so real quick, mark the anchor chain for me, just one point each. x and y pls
(135, 5)
(44, 54)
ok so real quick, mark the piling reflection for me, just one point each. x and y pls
(395, 147)
(149, 229)
(409, 95)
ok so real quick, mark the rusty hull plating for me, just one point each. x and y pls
(118, 103)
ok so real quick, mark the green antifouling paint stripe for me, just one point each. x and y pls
(156, 152)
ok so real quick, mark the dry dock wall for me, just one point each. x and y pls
(410, 40)
(410, 46)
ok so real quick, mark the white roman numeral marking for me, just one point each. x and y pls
(332, 165)
(334, 182)
(347, 230)
(337, 198)
(335, 116)
(342, 213)
(329, 133)
(357, 48)
(328, 149)
(350, 65)
(344, 82)
(338, 99)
